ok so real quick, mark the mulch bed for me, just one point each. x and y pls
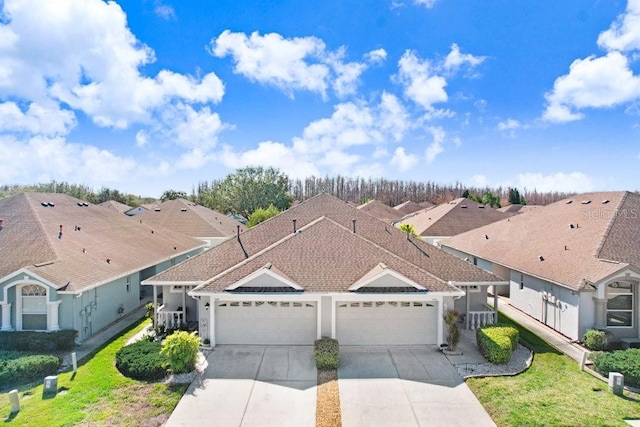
(328, 412)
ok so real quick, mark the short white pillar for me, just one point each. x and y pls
(53, 322)
(74, 361)
(14, 399)
(616, 383)
(6, 317)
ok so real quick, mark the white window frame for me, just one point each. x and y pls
(611, 295)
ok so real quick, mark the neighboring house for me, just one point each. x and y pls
(407, 208)
(67, 264)
(135, 211)
(573, 265)
(381, 211)
(116, 206)
(517, 209)
(450, 219)
(325, 268)
(192, 220)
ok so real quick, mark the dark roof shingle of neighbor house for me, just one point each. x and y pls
(30, 238)
(115, 205)
(324, 246)
(516, 208)
(190, 219)
(581, 239)
(452, 218)
(381, 211)
(407, 207)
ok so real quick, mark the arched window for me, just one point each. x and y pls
(34, 307)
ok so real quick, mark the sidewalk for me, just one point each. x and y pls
(104, 335)
(555, 339)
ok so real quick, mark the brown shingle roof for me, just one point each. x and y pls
(407, 207)
(115, 205)
(601, 231)
(231, 252)
(190, 219)
(381, 211)
(455, 217)
(29, 239)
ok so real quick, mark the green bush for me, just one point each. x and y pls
(181, 350)
(20, 368)
(626, 362)
(142, 360)
(596, 340)
(38, 341)
(496, 342)
(327, 353)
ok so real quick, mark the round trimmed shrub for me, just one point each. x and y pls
(181, 350)
(596, 340)
(142, 360)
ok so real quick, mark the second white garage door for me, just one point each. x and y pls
(386, 323)
(266, 322)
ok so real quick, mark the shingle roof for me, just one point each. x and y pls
(29, 239)
(577, 240)
(455, 217)
(515, 208)
(190, 219)
(115, 205)
(231, 252)
(381, 211)
(407, 207)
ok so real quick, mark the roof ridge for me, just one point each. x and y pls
(260, 252)
(610, 226)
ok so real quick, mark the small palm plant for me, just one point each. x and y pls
(453, 332)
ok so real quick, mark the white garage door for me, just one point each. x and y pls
(386, 323)
(266, 322)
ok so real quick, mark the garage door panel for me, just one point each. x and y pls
(266, 323)
(386, 323)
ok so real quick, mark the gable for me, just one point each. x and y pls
(265, 280)
(383, 278)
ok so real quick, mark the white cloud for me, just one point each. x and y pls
(403, 161)
(624, 33)
(479, 180)
(164, 11)
(437, 145)
(592, 82)
(377, 56)
(347, 74)
(142, 138)
(35, 120)
(509, 124)
(426, 3)
(420, 82)
(577, 182)
(81, 53)
(191, 128)
(455, 60)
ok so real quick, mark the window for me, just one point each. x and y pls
(34, 307)
(620, 296)
(521, 281)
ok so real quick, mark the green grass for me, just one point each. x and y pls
(98, 395)
(552, 392)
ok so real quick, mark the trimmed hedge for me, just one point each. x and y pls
(142, 360)
(626, 362)
(596, 340)
(16, 369)
(327, 353)
(497, 342)
(38, 341)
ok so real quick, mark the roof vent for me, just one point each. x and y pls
(463, 206)
(586, 202)
(354, 225)
(80, 204)
(569, 202)
(481, 206)
(60, 233)
(45, 204)
(572, 226)
(294, 225)
(604, 202)
(1, 221)
(181, 210)
(85, 204)
(486, 237)
(50, 204)
(540, 258)
(566, 248)
(108, 260)
(84, 250)
(157, 209)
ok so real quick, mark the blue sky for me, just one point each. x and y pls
(148, 95)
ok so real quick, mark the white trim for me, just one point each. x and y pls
(462, 284)
(35, 280)
(280, 296)
(170, 283)
(387, 272)
(261, 272)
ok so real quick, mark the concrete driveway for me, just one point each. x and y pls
(252, 386)
(404, 386)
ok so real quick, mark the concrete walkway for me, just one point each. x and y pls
(555, 339)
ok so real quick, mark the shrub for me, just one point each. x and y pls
(38, 341)
(23, 369)
(627, 362)
(150, 310)
(181, 350)
(496, 342)
(327, 353)
(142, 360)
(453, 333)
(596, 340)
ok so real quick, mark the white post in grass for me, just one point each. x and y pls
(584, 360)
(74, 362)
(15, 401)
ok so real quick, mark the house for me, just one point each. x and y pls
(517, 208)
(192, 220)
(408, 207)
(573, 265)
(381, 211)
(324, 268)
(117, 206)
(135, 211)
(68, 264)
(450, 219)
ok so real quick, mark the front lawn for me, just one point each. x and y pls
(97, 395)
(553, 391)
